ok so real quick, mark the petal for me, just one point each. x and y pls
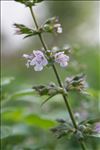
(33, 62)
(38, 68)
(67, 58)
(44, 62)
(38, 53)
(59, 30)
(64, 64)
(25, 56)
(57, 25)
(58, 54)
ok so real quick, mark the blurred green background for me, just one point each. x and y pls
(25, 125)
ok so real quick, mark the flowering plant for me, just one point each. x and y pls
(49, 57)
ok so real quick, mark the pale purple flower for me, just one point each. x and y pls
(62, 59)
(97, 127)
(37, 59)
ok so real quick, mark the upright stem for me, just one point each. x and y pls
(65, 99)
(58, 79)
(82, 145)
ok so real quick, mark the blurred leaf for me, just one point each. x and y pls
(6, 80)
(20, 116)
(39, 121)
(93, 93)
(14, 104)
(12, 115)
(22, 93)
(5, 131)
(12, 141)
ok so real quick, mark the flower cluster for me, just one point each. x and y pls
(52, 25)
(76, 83)
(29, 3)
(39, 60)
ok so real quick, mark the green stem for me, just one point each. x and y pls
(83, 146)
(65, 99)
(58, 79)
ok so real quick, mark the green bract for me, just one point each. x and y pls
(22, 29)
(64, 128)
(50, 89)
(75, 83)
(29, 3)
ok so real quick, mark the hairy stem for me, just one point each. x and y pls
(58, 79)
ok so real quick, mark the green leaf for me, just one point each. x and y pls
(12, 115)
(5, 131)
(12, 140)
(21, 93)
(16, 104)
(93, 93)
(39, 121)
(19, 115)
(22, 29)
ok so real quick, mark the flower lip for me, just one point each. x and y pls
(62, 59)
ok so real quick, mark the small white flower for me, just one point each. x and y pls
(37, 59)
(62, 59)
(55, 49)
(58, 27)
(59, 30)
